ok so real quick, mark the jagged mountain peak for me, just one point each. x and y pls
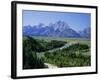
(86, 32)
(61, 25)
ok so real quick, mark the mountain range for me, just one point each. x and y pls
(57, 29)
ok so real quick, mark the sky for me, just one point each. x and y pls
(77, 21)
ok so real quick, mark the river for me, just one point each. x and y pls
(60, 48)
(41, 54)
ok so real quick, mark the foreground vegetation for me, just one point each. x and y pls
(36, 53)
(31, 46)
(70, 57)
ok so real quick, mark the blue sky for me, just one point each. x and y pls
(77, 21)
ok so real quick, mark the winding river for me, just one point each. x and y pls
(41, 54)
(65, 46)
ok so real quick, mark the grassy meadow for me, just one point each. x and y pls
(70, 40)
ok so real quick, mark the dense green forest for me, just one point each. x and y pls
(31, 46)
(30, 59)
(74, 55)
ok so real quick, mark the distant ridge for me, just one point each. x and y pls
(57, 29)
